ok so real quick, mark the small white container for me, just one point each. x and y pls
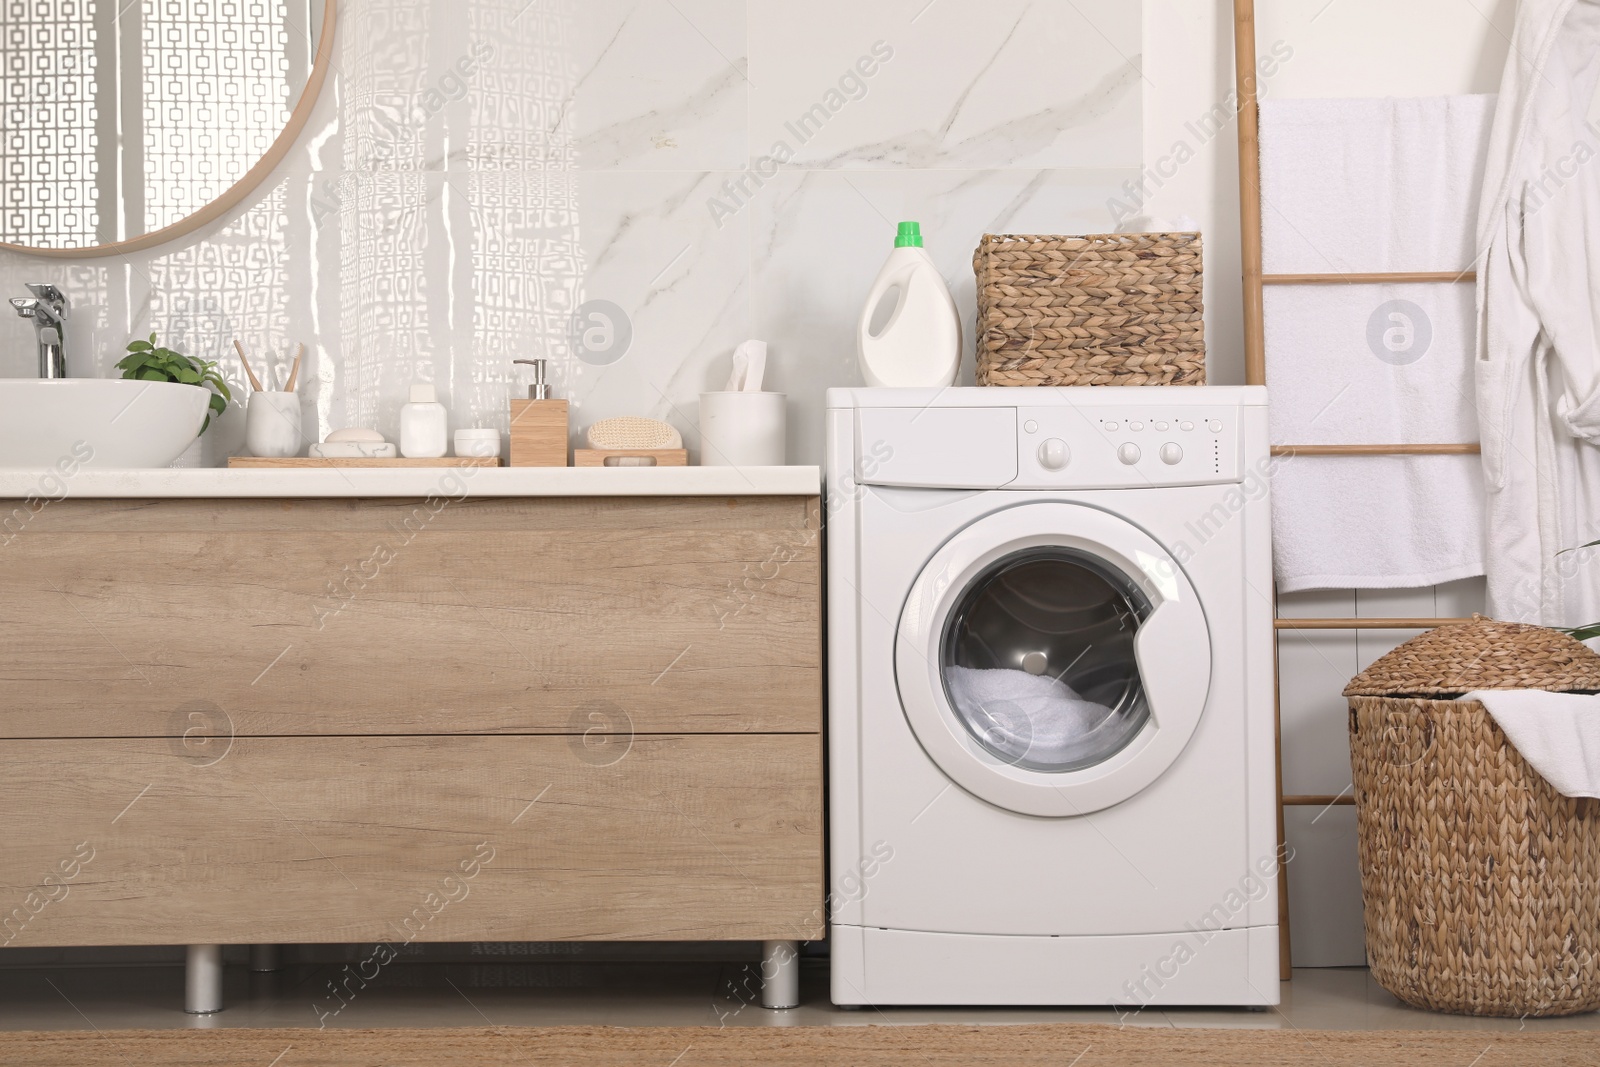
(272, 424)
(424, 425)
(478, 442)
(742, 429)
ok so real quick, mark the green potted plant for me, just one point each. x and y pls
(147, 361)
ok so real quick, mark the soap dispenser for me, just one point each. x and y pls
(538, 424)
(424, 426)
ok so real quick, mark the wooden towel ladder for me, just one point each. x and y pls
(1244, 42)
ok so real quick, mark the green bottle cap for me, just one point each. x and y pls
(910, 235)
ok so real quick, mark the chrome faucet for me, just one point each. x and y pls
(48, 310)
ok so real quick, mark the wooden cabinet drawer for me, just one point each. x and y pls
(125, 618)
(330, 839)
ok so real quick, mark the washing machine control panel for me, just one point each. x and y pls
(1132, 447)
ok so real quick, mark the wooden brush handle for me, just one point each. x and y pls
(294, 371)
(255, 383)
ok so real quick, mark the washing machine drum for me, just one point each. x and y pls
(1038, 660)
(1053, 659)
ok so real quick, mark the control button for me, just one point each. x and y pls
(1161, 426)
(1185, 425)
(1030, 426)
(1214, 426)
(1111, 427)
(1053, 454)
(1128, 452)
(1135, 426)
(1171, 452)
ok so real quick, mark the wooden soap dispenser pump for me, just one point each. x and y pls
(538, 424)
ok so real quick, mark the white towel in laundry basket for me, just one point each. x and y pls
(1557, 733)
(1027, 716)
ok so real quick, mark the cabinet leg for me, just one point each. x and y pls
(263, 958)
(202, 981)
(780, 974)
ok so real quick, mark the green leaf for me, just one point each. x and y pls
(1579, 548)
(138, 346)
(187, 377)
(150, 374)
(152, 337)
(217, 404)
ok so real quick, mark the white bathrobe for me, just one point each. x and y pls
(1539, 320)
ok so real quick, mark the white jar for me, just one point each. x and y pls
(424, 426)
(477, 442)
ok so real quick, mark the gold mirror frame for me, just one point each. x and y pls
(235, 193)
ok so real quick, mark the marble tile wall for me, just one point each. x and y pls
(480, 174)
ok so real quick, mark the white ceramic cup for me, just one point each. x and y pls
(272, 424)
(481, 441)
(742, 429)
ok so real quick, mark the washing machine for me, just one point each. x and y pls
(1051, 745)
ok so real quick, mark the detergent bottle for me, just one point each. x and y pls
(916, 342)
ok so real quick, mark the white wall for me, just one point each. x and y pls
(1342, 48)
(476, 169)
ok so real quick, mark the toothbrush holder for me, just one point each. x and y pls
(272, 424)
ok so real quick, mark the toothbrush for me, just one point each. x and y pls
(255, 382)
(294, 371)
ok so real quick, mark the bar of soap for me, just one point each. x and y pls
(357, 434)
(354, 450)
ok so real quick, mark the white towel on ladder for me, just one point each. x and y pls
(1372, 186)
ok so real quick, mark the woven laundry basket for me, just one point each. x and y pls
(1480, 883)
(1105, 309)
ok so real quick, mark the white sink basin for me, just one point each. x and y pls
(98, 422)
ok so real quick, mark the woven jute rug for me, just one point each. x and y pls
(845, 1046)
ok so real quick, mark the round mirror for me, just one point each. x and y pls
(131, 122)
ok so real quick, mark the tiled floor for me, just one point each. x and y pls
(619, 994)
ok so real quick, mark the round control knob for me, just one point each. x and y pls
(1128, 452)
(1053, 454)
(1171, 452)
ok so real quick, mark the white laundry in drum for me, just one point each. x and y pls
(1025, 716)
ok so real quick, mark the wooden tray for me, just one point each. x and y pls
(664, 457)
(258, 462)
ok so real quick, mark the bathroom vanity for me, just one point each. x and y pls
(410, 705)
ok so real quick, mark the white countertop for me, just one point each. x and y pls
(89, 483)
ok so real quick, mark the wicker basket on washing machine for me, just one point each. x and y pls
(1100, 309)
(1480, 883)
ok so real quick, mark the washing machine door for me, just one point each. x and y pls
(1053, 659)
